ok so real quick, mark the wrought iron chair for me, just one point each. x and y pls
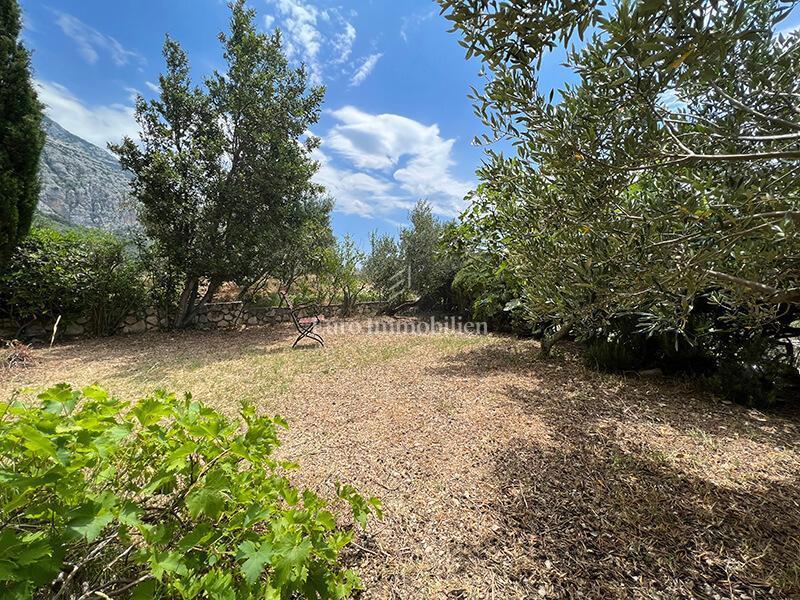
(304, 325)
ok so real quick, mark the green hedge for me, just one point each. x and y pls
(72, 274)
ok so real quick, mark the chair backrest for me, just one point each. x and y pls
(285, 297)
(292, 312)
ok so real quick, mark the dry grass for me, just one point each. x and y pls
(502, 475)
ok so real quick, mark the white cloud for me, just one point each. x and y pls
(269, 21)
(405, 160)
(414, 22)
(343, 43)
(97, 124)
(91, 43)
(365, 69)
(357, 192)
(153, 87)
(304, 39)
(671, 101)
(314, 36)
(133, 94)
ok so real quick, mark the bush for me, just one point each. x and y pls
(163, 498)
(739, 365)
(756, 372)
(73, 274)
(612, 355)
(489, 294)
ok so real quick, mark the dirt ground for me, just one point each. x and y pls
(502, 475)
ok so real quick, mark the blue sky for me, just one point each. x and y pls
(396, 126)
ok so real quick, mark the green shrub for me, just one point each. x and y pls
(163, 498)
(756, 373)
(73, 274)
(737, 364)
(162, 282)
(612, 355)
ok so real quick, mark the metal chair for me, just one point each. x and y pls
(304, 325)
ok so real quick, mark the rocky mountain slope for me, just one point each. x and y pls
(83, 184)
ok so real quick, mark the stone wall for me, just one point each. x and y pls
(228, 315)
(221, 315)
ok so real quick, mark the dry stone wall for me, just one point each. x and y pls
(222, 315)
(227, 315)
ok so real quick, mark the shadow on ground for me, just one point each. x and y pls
(564, 385)
(600, 520)
(600, 512)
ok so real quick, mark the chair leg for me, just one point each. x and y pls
(299, 337)
(308, 333)
(315, 336)
(303, 333)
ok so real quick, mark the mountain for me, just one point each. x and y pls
(83, 184)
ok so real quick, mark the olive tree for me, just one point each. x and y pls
(661, 184)
(417, 264)
(384, 267)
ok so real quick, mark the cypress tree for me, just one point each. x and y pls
(21, 136)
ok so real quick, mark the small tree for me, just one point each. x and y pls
(223, 172)
(418, 264)
(21, 135)
(421, 248)
(384, 267)
(340, 275)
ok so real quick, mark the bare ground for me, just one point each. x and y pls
(502, 475)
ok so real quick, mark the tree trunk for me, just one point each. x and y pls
(188, 296)
(213, 286)
(548, 343)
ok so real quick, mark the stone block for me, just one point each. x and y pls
(74, 330)
(139, 326)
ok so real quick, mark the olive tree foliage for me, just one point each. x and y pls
(384, 266)
(222, 171)
(338, 275)
(21, 135)
(416, 264)
(663, 184)
(421, 248)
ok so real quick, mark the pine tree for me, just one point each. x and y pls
(21, 136)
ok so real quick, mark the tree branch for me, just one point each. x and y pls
(753, 111)
(772, 294)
